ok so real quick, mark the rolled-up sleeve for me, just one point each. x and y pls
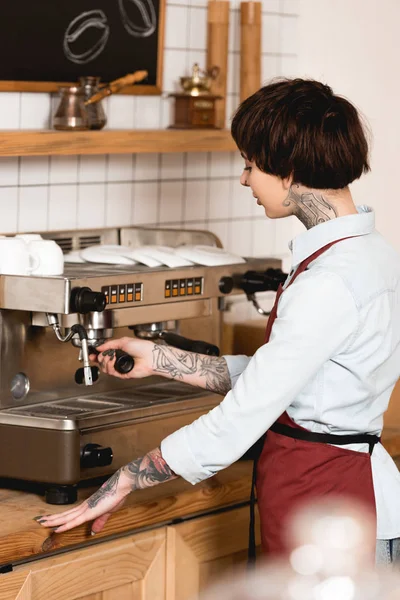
(236, 366)
(317, 318)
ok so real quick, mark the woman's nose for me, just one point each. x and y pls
(243, 179)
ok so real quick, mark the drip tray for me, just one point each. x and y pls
(162, 392)
(111, 407)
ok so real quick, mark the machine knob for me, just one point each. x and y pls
(83, 300)
(226, 285)
(94, 455)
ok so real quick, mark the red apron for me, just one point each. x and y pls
(293, 471)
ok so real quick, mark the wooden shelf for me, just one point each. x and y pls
(47, 142)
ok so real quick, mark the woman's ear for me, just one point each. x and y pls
(287, 182)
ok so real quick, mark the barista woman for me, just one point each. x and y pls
(322, 381)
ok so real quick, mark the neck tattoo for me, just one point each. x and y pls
(311, 208)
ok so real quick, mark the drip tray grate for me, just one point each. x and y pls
(108, 403)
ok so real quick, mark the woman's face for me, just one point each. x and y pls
(270, 191)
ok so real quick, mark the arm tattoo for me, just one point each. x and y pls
(144, 472)
(148, 470)
(311, 208)
(108, 488)
(212, 371)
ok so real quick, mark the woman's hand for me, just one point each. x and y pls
(98, 508)
(140, 350)
(141, 473)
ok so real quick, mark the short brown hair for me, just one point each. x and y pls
(299, 127)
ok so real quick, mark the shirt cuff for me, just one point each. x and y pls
(176, 452)
(236, 366)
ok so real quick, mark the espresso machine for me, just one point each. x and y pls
(62, 422)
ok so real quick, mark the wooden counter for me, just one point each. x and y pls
(22, 538)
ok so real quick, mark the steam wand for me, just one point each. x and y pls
(86, 374)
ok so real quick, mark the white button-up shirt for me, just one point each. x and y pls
(332, 361)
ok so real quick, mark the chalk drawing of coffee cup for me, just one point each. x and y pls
(138, 17)
(86, 36)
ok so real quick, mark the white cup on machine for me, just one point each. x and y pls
(15, 258)
(46, 257)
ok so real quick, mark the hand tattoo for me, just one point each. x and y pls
(311, 208)
(110, 353)
(148, 470)
(176, 364)
(108, 488)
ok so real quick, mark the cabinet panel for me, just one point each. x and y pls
(130, 568)
(203, 550)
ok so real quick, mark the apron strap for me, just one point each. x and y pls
(325, 438)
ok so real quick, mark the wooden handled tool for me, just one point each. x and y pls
(217, 52)
(117, 85)
(250, 48)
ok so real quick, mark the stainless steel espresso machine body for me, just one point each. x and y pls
(58, 425)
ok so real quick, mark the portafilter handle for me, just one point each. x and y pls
(252, 282)
(183, 343)
(124, 362)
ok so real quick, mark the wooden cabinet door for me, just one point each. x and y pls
(131, 568)
(202, 550)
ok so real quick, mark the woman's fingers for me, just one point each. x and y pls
(114, 344)
(60, 518)
(74, 522)
(97, 508)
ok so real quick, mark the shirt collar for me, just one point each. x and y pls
(305, 244)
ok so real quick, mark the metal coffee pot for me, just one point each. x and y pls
(96, 115)
(71, 112)
(80, 106)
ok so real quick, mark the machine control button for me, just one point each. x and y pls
(129, 292)
(175, 287)
(138, 292)
(182, 287)
(226, 285)
(114, 294)
(106, 291)
(190, 289)
(94, 455)
(198, 285)
(121, 293)
(167, 289)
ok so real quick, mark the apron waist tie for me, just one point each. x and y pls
(326, 438)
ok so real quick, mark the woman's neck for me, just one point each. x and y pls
(312, 206)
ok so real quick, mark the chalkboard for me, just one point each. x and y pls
(46, 43)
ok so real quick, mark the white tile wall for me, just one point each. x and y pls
(199, 190)
(145, 202)
(9, 209)
(60, 197)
